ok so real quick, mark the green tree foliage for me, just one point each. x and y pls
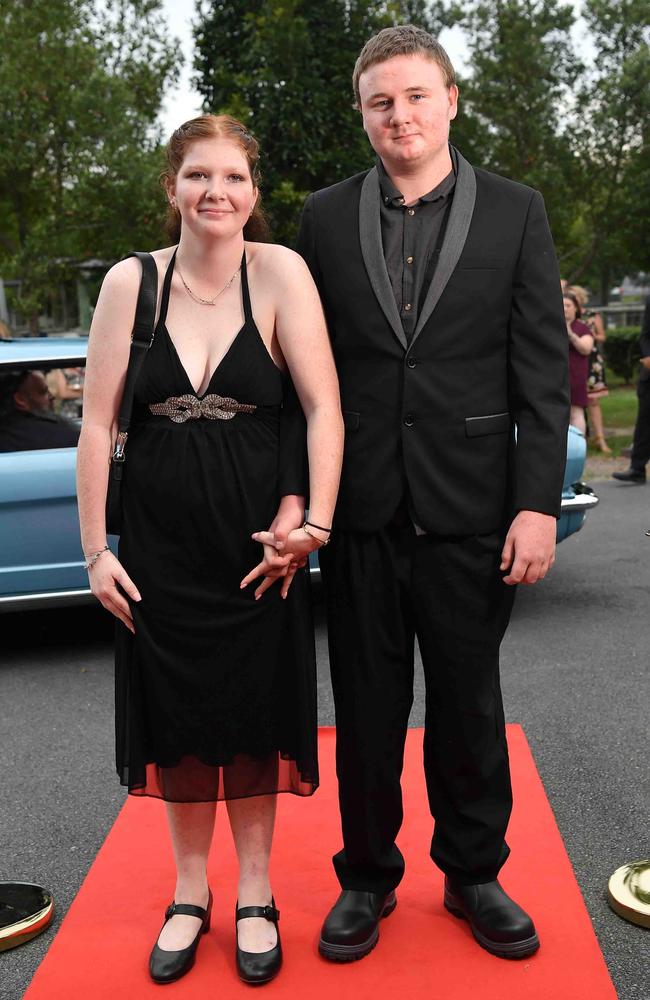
(523, 69)
(285, 67)
(80, 88)
(612, 144)
(622, 350)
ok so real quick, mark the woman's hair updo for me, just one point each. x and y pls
(214, 127)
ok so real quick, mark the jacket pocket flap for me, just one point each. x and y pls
(350, 420)
(493, 423)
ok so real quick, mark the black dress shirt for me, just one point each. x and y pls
(409, 235)
(21, 430)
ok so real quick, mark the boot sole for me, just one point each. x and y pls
(353, 952)
(502, 949)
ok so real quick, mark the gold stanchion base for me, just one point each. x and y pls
(25, 911)
(628, 892)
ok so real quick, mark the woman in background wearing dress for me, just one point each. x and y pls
(596, 385)
(215, 687)
(581, 342)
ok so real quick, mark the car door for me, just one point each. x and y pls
(40, 545)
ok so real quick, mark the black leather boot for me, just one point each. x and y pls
(258, 967)
(168, 966)
(497, 922)
(351, 928)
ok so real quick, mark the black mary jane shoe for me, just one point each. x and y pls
(253, 967)
(168, 966)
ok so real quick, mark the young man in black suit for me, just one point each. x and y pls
(442, 295)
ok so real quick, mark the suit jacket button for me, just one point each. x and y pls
(409, 420)
(411, 363)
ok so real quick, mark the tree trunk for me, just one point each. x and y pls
(604, 284)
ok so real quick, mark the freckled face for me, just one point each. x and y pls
(407, 110)
(214, 191)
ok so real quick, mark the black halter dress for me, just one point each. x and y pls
(215, 692)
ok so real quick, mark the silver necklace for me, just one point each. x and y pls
(197, 298)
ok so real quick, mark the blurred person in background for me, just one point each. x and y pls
(581, 342)
(27, 421)
(641, 443)
(596, 380)
(66, 388)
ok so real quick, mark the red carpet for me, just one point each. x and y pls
(102, 947)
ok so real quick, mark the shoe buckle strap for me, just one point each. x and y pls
(268, 912)
(187, 909)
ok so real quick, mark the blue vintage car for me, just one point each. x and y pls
(41, 561)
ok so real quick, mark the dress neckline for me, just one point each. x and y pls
(162, 323)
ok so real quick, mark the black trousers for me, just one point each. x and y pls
(381, 590)
(641, 444)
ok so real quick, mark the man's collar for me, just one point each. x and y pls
(391, 196)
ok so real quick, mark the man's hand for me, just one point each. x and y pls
(290, 515)
(529, 550)
(646, 363)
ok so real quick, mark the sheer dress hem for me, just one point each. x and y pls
(193, 779)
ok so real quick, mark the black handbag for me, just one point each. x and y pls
(141, 340)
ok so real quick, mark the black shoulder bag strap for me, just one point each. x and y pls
(141, 340)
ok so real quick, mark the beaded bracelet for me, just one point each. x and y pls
(92, 559)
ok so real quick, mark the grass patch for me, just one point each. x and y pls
(619, 408)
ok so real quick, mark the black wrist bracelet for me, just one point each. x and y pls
(312, 525)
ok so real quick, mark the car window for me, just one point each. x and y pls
(40, 408)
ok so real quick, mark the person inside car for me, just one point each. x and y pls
(27, 421)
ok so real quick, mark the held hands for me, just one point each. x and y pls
(279, 561)
(104, 577)
(295, 552)
(529, 550)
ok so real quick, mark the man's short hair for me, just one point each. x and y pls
(402, 40)
(10, 382)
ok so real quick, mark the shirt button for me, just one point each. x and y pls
(407, 307)
(409, 420)
(401, 200)
(411, 363)
(409, 260)
(386, 200)
(411, 211)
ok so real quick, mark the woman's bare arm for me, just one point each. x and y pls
(108, 355)
(304, 342)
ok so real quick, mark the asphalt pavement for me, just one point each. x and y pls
(575, 671)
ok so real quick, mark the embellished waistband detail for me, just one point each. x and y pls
(188, 407)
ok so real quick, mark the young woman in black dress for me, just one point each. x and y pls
(215, 665)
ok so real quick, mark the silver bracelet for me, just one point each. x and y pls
(93, 557)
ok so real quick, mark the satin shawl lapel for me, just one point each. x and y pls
(372, 250)
(460, 216)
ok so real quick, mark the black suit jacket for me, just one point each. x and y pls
(438, 416)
